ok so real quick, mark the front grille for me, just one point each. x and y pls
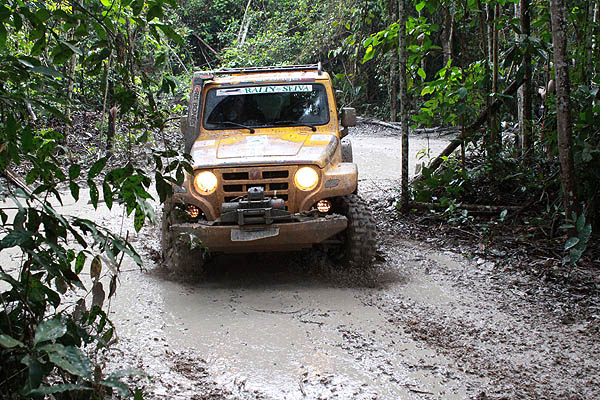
(276, 181)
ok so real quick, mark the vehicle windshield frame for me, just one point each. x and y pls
(323, 117)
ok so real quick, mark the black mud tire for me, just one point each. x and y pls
(176, 254)
(346, 150)
(360, 237)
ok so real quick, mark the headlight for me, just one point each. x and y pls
(306, 178)
(205, 182)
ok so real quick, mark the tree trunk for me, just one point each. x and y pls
(243, 26)
(521, 114)
(563, 109)
(112, 128)
(595, 33)
(495, 138)
(589, 34)
(525, 125)
(393, 90)
(448, 35)
(403, 104)
(484, 33)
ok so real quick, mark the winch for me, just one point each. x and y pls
(255, 208)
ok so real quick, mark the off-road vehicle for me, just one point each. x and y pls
(271, 171)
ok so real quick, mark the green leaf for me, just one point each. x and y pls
(580, 222)
(427, 90)
(138, 220)
(73, 48)
(79, 262)
(421, 73)
(47, 71)
(137, 6)
(74, 190)
(72, 360)
(3, 35)
(420, 6)
(170, 32)
(121, 388)
(585, 233)
(8, 342)
(94, 194)
(60, 388)
(49, 330)
(572, 242)
(35, 373)
(61, 54)
(74, 171)
(96, 168)
(16, 238)
(155, 11)
(107, 3)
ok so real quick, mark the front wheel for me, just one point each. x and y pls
(359, 240)
(176, 252)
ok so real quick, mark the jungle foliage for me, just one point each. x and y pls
(54, 57)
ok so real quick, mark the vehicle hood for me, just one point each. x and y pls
(264, 148)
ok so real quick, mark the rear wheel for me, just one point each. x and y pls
(176, 251)
(360, 237)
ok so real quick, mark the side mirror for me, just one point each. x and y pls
(348, 119)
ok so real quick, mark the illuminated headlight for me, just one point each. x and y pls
(205, 182)
(306, 178)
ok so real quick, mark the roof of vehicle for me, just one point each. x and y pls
(284, 74)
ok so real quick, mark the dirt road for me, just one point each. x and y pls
(434, 324)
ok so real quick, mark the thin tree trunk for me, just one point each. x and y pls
(484, 33)
(490, 30)
(525, 127)
(447, 35)
(521, 114)
(589, 34)
(112, 128)
(72, 65)
(495, 138)
(563, 109)
(595, 33)
(393, 90)
(403, 104)
(243, 24)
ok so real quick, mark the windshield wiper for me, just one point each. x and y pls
(236, 124)
(295, 123)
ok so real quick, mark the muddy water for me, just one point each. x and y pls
(285, 333)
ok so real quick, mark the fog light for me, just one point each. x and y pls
(192, 211)
(324, 206)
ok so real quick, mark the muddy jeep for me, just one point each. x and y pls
(271, 172)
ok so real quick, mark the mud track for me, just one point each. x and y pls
(431, 324)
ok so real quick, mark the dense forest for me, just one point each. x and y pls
(517, 79)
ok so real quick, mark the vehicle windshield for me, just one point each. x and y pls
(266, 106)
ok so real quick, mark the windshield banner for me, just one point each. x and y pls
(264, 89)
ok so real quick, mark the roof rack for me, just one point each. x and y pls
(233, 71)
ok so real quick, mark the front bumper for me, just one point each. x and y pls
(283, 236)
